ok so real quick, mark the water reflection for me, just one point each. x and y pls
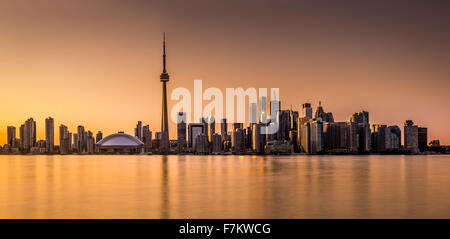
(224, 186)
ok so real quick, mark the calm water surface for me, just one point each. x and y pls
(225, 186)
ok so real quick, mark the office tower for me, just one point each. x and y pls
(204, 121)
(76, 143)
(238, 141)
(381, 137)
(253, 113)
(258, 139)
(320, 113)
(248, 137)
(329, 117)
(395, 135)
(82, 145)
(305, 137)
(275, 115)
(237, 126)
(353, 137)
(263, 110)
(411, 136)
(21, 137)
(65, 140)
(422, 134)
(224, 129)
(28, 135)
(316, 140)
(50, 134)
(324, 116)
(307, 110)
(216, 142)
(285, 124)
(138, 130)
(98, 136)
(212, 127)
(181, 131)
(147, 137)
(294, 119)
(200, 145)
(164, 143)
(11, 136)
(90, 143)
(336, 137)
(293, 134)
(360, 117)
(194, 129)
(301, 121)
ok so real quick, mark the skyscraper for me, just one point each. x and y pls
(164, 143)
(224, 129)
(396, 136)
(11, 136)
(99, 136)
(65, 140)
(285, 124)
(362, 119)
(28, 135)
(82, 146)
(411, 136)
(263, 109)
(194, 129)
(138, 130)
(147, 138)
(181, 131)
(381, 137)
(307, 110)
(316, 137)
(422, 138)
(212, 127)
(258, 142)
(50, 134)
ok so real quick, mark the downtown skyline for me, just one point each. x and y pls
(107, 80)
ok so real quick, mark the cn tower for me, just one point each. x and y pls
(164, 143)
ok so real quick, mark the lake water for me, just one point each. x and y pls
(134, 186)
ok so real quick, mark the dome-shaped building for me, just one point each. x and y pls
(120, 143)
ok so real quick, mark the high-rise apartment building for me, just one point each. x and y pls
(50, 134)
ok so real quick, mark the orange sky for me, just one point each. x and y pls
(97, 63)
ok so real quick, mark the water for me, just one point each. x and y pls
(224, 186)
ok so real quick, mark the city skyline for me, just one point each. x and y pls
(103, 74)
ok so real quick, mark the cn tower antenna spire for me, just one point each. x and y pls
(164, 52)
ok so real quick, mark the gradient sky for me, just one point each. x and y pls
(97, 63)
